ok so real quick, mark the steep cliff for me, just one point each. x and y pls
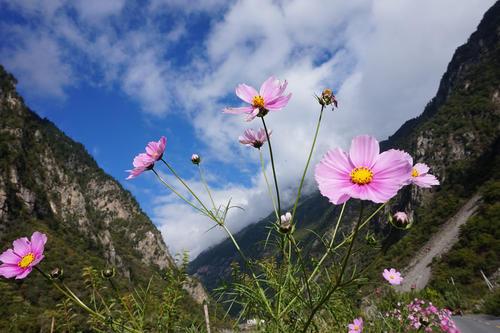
(50, 183)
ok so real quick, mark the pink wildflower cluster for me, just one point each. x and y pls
(420, 315)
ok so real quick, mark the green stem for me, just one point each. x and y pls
(299, 191)
(70, 295)
(206, 187)
(188, 188)
(272, 164)
(177, 193)
(247, 263)
(342, 271)
(328, 250)
(267, 184)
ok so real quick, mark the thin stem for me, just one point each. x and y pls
(335, 248)
(247, 263)
(267, 184)
(188, 188)
(206, 187)
(332, 240)
(341, 275)
(272, 164)
(70, 295)
(299, 191)
(177, 193)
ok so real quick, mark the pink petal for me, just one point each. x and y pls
(240, 110)
(392, 166)
(25, 273)
(421, 168)
(426, 181)
(278, 103)
(252, 115)
(38, 258)
(163, 143)
(9, 257)
(246, 93)
(364, 150)
(22, 246)
(269, 88)
(38, 241)
(9, 271)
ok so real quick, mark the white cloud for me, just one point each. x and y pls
(383, 58)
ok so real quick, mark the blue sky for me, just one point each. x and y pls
(116, 74)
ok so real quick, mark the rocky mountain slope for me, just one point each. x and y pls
(457, 135)
(50, 183)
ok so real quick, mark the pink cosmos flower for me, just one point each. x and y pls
(270, 97)
(254, 139)
(363, 173)
(401, 217)
(420, 175)
(356, 326)
(146, 161)
(392, 276)
(19, 261)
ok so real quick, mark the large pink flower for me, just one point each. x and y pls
(392, 276)
(363, 173)
(270, 97)
(253, 138)
(145, 161)
(356, 326)
(19, 261)
(420, 175)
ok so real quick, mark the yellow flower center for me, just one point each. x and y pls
(26, 260)
(356, 327)
(361, 176)
(391, 277)
(414, 172)
(258, 101)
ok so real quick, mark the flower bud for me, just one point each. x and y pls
(56, 273)
(108, 273)
(285, 223)
(196, 159)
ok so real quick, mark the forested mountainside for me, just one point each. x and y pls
(50, 183)
(457, 135)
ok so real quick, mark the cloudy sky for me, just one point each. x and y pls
(116, 74)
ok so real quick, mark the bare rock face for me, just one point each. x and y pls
(46, 176)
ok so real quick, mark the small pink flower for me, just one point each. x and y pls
(146, 161)
(363, 173)
(254, 139)
(269, 98)
(19, 261)
(356, 326)
(392, 276)
(420, 175)
(401, 217)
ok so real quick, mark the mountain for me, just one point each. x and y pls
(50, 183)
(457, 135)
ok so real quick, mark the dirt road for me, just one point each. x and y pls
(418, 271)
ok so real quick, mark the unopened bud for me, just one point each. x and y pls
(286, 222)
(56, 273)
(108, 273)
(196, 159)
